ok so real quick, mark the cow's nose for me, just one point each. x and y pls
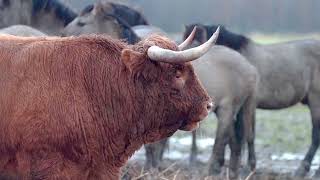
(209, 106)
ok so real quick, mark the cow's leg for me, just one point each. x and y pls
(23, 160)
(163, 146)
(55, 165)
(154, 153)
(8, 166)
(314, 105)
(225, 122)
(194, 149)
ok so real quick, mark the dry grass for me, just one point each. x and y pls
(182, 171)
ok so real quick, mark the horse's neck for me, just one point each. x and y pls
(9, 16)
(47, 22)
(51, 16)
(255, 53)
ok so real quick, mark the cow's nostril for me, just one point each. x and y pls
(209, 106)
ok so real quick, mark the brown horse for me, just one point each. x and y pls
(289, 73)
(49, 16)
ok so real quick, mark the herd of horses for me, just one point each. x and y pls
(240, 76)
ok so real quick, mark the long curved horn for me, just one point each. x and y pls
(156, 53)
(188, 41)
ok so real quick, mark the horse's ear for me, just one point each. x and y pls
(101, 8)
(98, 9)
(131, 59)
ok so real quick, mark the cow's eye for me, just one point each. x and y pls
(179, 80)
(178, 74)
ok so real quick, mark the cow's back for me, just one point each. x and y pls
(43, 90)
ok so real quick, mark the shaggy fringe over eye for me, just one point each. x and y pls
(155, 40)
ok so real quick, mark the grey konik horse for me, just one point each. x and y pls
(289, 73)
(101, 19)
(22, 30)
(49, 16)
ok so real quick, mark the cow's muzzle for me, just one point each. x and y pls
(193, 123)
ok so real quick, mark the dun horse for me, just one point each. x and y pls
(289, 74)
(99, 18)
(22, 30)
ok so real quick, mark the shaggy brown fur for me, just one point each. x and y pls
(79, 107)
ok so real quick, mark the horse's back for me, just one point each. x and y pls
(226, 75)
(22, 30)
(144, 31)
(286, 70)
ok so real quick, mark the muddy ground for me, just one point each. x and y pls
(282, 139)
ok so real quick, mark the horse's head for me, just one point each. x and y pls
(100, 19)
(51, 15)
(9, 15)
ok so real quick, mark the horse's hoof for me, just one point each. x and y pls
(317, 174)
(245, 171)
(233, 175)
(215, 170)
(215, 177)
(301, 172)
(192, 160)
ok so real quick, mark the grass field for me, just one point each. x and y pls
(275, 38)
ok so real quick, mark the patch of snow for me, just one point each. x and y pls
(287, 157)
(205, 143)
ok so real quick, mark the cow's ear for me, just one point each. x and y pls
(131, 59)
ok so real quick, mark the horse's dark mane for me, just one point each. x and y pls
(227, 38)
(5, 3)
(120, 17)
(87, 9)
(132, 16)
(127, 32)
(61, 11)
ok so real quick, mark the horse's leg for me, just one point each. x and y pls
(236, 140)
(194, 149)
(225, 122)
(314, 105)
(249, 119)
(154, 153)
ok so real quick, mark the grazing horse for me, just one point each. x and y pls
(289, 74)
(99, 19)
(49, 16)
(22, 30)
(231, 81)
